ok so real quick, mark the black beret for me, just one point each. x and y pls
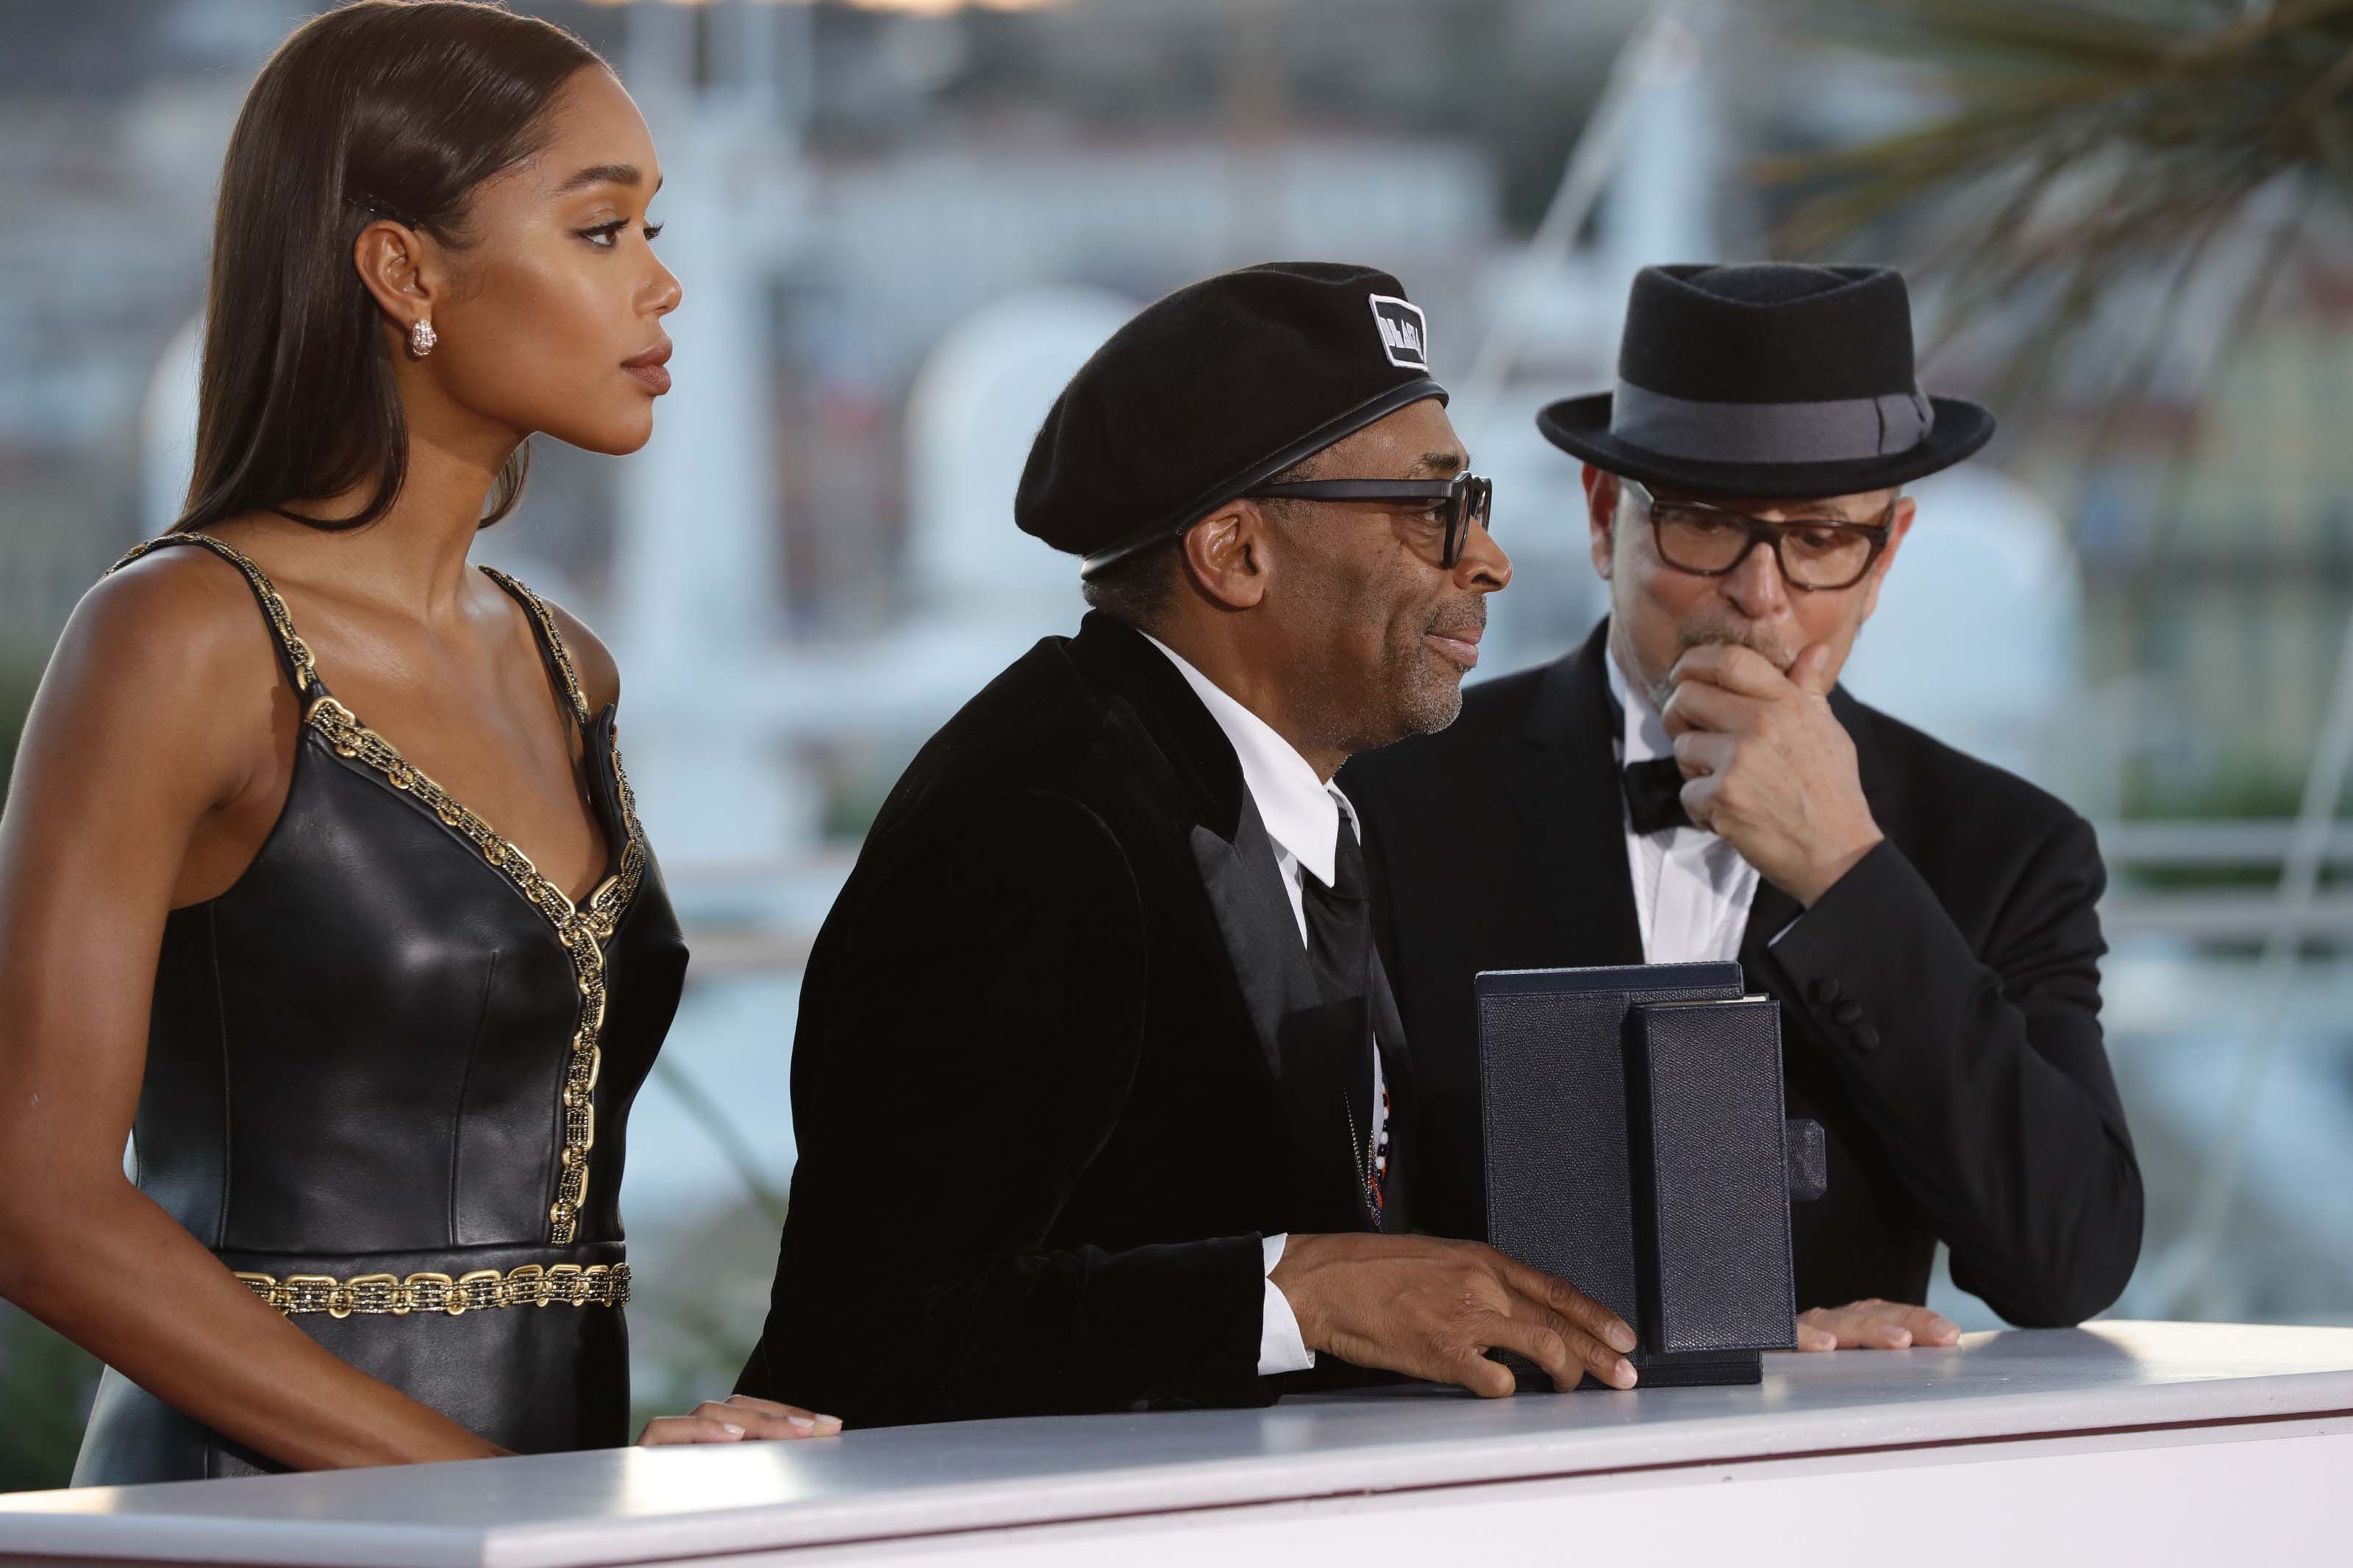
(1211, 391)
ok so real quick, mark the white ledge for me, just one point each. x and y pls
(574, 1510)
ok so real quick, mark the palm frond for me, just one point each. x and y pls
(2082, 143)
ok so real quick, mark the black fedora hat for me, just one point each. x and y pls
(1768, 379)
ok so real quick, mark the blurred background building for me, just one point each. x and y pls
(900, 224)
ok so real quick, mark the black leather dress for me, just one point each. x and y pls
(387, 1076)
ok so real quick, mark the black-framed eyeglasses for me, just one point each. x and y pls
(1466, 499)
(1815, 553)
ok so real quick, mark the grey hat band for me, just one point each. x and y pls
(1842, 430)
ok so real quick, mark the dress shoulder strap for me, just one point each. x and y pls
(292, 651)
(551, 643)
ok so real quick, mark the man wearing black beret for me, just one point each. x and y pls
(1097, 1064)
(1691, 783)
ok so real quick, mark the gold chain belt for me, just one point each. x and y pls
(598, 1285)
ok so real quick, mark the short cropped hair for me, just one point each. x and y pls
(1140, 589)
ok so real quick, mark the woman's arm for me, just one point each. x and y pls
(162, 727)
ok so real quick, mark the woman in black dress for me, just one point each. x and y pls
(353, 925)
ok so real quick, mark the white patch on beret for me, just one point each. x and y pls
(1405, 331)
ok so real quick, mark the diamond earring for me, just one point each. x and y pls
(422, 337)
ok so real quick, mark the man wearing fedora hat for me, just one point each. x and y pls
(1097, 1063)
(1691, 784)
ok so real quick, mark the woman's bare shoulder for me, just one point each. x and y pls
(169, 655)
(175, 620)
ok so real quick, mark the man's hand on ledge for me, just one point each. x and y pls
(1875, 1325)
(1433, 1308)
(738, 1418)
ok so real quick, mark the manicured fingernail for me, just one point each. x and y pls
(832, 1423)
(731, 1429)
(1620, 1337)
(1625, 1371)
(802, 1422)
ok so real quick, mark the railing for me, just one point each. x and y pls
(2235, 915)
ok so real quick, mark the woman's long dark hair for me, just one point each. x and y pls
(391, 108)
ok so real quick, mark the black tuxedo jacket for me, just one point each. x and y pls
(1940, 1005)
(1060, 1065)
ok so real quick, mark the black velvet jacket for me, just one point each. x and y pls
(1060, 1066)
(1940, 1005)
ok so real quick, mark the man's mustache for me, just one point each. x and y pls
(1472, 618)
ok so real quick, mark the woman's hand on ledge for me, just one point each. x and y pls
(739, 1418)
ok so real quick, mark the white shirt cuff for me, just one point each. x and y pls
(1279, 1347)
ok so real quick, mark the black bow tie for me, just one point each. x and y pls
(1654, 794)
(1654, 790)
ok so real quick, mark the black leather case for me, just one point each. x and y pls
(1711, 1176)
(1620, 1157)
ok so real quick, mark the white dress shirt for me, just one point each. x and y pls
(1691, 889)
(1303, 815)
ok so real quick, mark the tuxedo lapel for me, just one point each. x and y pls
(1311, 1049)
(1562, 777)
(1256, 925)
(1311, 1052)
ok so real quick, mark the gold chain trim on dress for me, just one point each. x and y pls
(538, 608)
(603, 913)
(583, 929)
(566, 1284)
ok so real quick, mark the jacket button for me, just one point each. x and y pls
(1865, 1038)
(1826, 990)
(1848, 1013)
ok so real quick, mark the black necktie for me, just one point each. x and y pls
(1654, 794)
(1340, 950)
(1340, 921)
